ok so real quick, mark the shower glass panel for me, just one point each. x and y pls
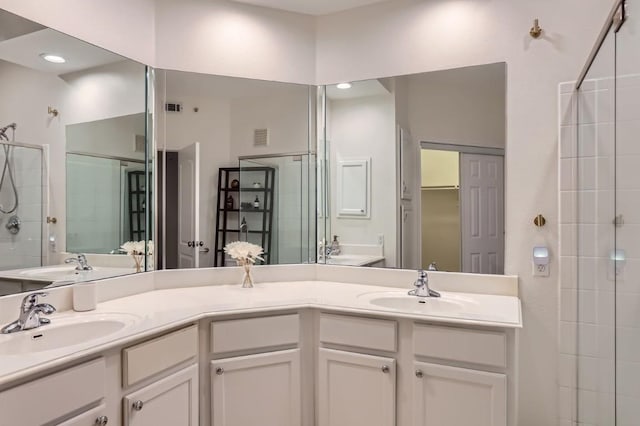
(626, 262)
(595, 297)
(607, 299)
(21, 206)
(274, 206)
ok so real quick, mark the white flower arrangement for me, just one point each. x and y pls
(245, 254)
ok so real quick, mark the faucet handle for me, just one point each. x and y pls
(30, 300)
(422, 274)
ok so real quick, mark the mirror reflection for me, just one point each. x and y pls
(235, 165)
(72, 129)
(414, 171)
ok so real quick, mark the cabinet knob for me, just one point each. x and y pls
(219, 371)
(138, 405)
(102, 421)
(385, 368)
(419, 374)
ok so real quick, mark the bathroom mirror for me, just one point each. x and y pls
(411, 171)
(234, 164)
(74, 125)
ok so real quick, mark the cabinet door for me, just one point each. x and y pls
(356, 389)
(169, 401)
(94, 417)
(458, 396)
(261, 389)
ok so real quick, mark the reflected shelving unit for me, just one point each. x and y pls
(237, 219)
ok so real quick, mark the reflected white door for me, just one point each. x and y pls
(189, 208)
(482, 213)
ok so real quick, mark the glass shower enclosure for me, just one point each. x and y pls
(600, 233)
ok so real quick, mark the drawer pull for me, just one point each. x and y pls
(385, 368)
(419, 374)
(102, 421)
(138, 405)
(219, 371)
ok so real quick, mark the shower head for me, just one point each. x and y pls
(3, 130)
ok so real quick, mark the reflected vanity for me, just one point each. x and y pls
(75, 160)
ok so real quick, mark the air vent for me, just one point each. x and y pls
(261, 137)
(173, 107)
(139, 144)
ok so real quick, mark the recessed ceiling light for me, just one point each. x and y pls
(344, 86)
(53, 58)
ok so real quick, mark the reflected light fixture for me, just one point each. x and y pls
(56, 59)
(344, 86)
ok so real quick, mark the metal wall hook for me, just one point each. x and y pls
(52, 111)
(536, 30)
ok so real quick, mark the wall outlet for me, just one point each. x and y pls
(540, 270)
(380, 239)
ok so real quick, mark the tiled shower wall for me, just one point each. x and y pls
(599, 330)
(23, 249)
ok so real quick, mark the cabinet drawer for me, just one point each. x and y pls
(255, 333)
(88, 418)
(358, 332)
(457, 344)
(52, 397)
(146, 359)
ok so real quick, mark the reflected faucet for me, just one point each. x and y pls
(422, 286)
(30, 312)
(81, 260)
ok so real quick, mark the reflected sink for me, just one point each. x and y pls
(64, 332)
(54, 273)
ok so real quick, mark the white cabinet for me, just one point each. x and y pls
(356, 389)
(93, 417)
(454, 396)
(262, 389)
(169, 401)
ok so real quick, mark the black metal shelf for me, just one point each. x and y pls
(264, 215)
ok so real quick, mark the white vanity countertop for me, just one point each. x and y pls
(354, 259)
(161, 310)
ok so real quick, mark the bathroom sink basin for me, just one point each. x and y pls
(64, 332)
(413, 303)
(448, 305)
(53, 273)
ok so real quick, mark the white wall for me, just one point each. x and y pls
(465, 106)
(235, 39)
(365, 128)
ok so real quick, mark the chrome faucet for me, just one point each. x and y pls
(422, 286)
(30, 311)
(81, 260)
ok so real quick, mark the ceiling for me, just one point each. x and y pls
(311, 7)
(26, 49)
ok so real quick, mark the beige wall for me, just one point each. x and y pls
(441, 228)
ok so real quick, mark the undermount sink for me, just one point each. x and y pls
(447, 304)
(64, 332)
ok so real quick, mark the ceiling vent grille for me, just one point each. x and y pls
(261, 137)
(173, 107)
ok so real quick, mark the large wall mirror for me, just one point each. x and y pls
(73, 164)
(411, 171)
(234, 164)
